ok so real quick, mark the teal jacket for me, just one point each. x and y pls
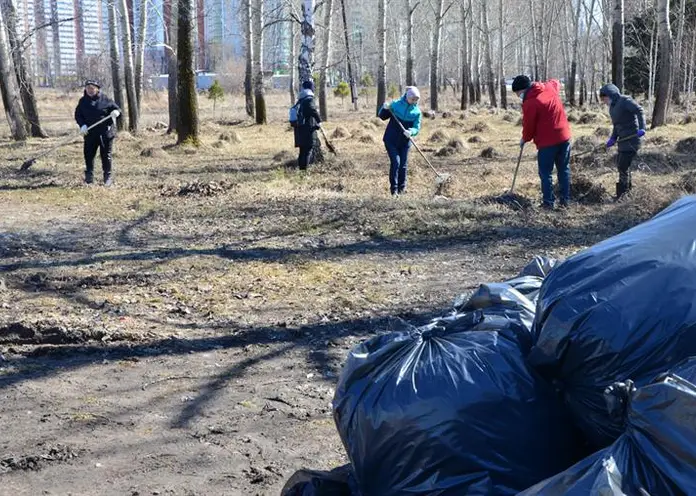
(410, 117)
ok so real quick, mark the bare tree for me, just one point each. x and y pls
(133, 114)
(259, 93)
(677, 68)
(24, 80)
(306, 60)
(170, 16)
(351, 77)
(249, 71)
(187, 123)
(115, 58)
(617, 48)
(410, 74)
(293, 55)
(501, 58)
(664, 88)
(10, 99)
(325, 58)
(56, 39)
(490, 76)
(435, 52)
(466, 66)
(382, 49)
(570, 87)
(140, 52)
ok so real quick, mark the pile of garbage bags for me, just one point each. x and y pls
(572, 378)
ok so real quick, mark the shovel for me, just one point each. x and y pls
(331, 148)
(30, 162)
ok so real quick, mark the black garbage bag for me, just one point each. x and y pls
(622, 309)
(656, 455)
(436, 412)
(507, 306)
(337, 482)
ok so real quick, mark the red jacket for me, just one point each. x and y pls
(543, 116)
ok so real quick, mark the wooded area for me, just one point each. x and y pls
(469, 47)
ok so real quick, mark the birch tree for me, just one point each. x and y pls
(349, 60)
(140, 52)
(617, 45)
(501, 56)
(259, 93)
(10, 99)
(114, 59)
(490, 77)
(570, 87)
(664, 88)
(24, 80)
(325, 58)
(56, 40)
(133, 114)
(171, 9)
(293, 55)
(410, 74)
(249, 68)
(382, 49)
(466, 63)
(440, 12)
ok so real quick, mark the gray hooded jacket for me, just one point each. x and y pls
(626, 116)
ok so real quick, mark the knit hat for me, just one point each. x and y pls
(521, 83)
(308, 85)
(92, 82)
(412, 92)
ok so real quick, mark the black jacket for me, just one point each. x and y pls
(626, 116)
(91, 109)
(308, 120)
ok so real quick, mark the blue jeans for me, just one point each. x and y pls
(398, 156)
(558, 155)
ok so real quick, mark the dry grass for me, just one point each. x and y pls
(439, 136)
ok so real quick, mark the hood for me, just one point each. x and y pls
(305, 93)
(611, 91)
(535, 89)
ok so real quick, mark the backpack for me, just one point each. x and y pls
(294, 114)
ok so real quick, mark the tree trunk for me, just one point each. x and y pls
(490, 75)
(435, 56)
(133, 116)
(690, 73)
(663, 91)
(24, 80)
(325, 59)
(10, 99)
(501, 61)
(410, 74)
(586, 55)
(140, 53)
(249, 71)
(171, 9)
(42, 62)
(116, 80)
(466, 64)
(351, 78)
(293, 55)
(382, 49)
(617, 45)
(570, 91)
(535, 39)
(187, 123)
(676, 68)
(57, 70)
(259, 93)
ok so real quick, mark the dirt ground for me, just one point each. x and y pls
(182, 332)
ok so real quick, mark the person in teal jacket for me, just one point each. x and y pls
(397, 141)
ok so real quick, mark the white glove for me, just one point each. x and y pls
(115, 113)
(83, 129)
(387, 105)
(407, 134)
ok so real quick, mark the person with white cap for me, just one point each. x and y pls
(93, 107)
(396, 140)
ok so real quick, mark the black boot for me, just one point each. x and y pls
(89, 176)
(621, 190)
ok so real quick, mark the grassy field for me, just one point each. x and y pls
(182, 332)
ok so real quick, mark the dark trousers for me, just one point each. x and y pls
(558, 155)
(94, 142)
(623, 163)
(305, 157)
(398, 156)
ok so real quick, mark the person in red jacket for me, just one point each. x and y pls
(544, 121)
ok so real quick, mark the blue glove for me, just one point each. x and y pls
(611, 142)
(640, 133)
(522, 142)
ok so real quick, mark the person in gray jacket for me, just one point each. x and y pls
(629, 127)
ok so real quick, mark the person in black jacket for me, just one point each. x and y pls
(93, 107)
(308, 121)
(629, 127)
